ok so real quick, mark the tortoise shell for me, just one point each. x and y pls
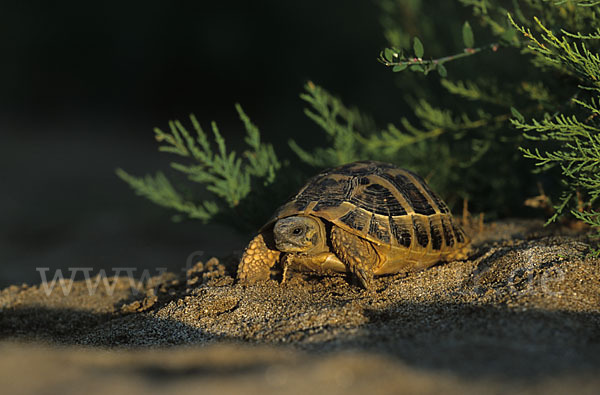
(387, 205)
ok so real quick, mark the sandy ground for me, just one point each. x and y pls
(521, 316)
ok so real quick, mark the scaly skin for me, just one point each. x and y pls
(257, 261)
(357, 253)
(321, 263)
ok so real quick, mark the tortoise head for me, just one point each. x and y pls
(299, 234)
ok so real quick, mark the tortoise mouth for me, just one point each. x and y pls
(285, 246)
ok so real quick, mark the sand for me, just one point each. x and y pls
(522, 315)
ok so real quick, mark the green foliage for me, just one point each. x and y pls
(351, 135)
(572, 143)
(227, 176)
(525, 98)
(159, 190)
(467, 34)
(342, 125)
(549, 90)
(418, 48)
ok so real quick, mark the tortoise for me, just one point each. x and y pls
(364, 218)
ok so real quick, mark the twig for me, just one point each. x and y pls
(419, 61)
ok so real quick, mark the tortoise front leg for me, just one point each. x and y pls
(257, 261)
(358, 254)
(323, 263)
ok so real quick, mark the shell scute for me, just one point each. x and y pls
(379, 229)
(448, 234)
(460, 234)
(436, 199)
(420, 228)
(378, 199)
(436, 236)
(381, 203)
(356, 219)
(326, 191)
(401, 232)
(411, 193)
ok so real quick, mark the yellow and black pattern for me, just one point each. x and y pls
(380, 219)
(380, 202)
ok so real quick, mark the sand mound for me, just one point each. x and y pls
(522, 314)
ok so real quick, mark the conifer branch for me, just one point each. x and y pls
(560, 118)
(223, 173)
(159, 190)
(577, 149)
(471, 91)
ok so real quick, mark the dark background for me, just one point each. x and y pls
(83, 84)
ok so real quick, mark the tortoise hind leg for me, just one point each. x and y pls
(257, 261)
(358, 254)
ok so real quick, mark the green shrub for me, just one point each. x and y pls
(498, 96)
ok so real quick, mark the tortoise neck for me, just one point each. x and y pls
(321, 245)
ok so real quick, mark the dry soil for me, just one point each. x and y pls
(522, 315)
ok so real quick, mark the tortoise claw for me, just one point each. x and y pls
(364, 278)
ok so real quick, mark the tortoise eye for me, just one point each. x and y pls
(297, 231)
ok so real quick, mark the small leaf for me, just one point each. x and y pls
(388, 54)
(467, 34)
(418, 47)
(399, 67)
(517, 114)
(417, 67)
(441, 69)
